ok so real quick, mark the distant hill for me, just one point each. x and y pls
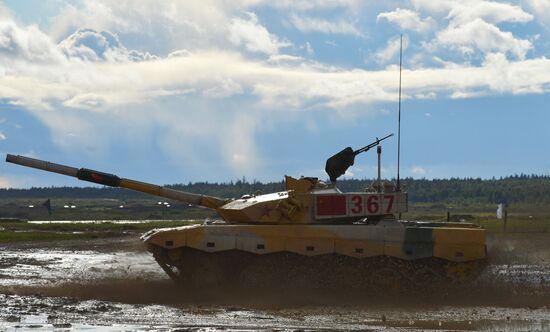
(525, 189)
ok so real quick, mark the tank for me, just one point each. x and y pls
(311, 235)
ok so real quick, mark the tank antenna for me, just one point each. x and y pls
(399, 113)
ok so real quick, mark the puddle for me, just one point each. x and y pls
(113, 284)
(53, 313)
(39, 267)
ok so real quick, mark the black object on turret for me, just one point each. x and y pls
(338, 164)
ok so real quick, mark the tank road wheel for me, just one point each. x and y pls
(168, 259)
(462, 272)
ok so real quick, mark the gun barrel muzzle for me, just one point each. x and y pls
(112, 180)
(43, 165)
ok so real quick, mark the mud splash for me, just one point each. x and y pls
(114, 284)
(48, 313)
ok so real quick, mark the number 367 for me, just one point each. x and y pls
(372, 205)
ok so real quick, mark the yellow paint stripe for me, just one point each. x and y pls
(140, 186)
(458, 235)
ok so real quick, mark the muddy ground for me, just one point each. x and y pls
(114, 284)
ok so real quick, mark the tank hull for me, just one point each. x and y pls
(389, 255)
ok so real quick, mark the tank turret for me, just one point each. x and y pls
(304, 201)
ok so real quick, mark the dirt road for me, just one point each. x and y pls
(114, 284)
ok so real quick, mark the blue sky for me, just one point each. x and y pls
(179, 91)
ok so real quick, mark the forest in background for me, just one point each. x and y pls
(517, 189)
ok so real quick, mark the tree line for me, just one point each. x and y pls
(529, 189)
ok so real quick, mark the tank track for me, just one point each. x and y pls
(236, 270)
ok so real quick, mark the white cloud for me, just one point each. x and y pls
(428, 95)
(460, 12)
(407, 19)
(481, 35)
(2, 136)
(309, 24)
(305, 5)
(473, 26)
(79, 87)
(88, 44)
(5, 12)
(418, 170)
(506, 77)
(254, 36)
(281, 58)
(27, 44)
(391, 49)
(489, 11)
(92, 101)
(161, 27)
(181, 53)
(541, 9)
(225, 88)
(151, 19)
(219, 74)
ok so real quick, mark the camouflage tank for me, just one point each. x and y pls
(310, 235)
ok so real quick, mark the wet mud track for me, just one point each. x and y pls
(114, 284)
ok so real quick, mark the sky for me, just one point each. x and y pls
(185, 91)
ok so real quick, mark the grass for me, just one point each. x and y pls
(101, 209)
(524, 218)
(521, 218)
(21, 231)
(516, 224)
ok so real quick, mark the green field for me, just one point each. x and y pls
(100, 209)
(521, 218)
(14, 212)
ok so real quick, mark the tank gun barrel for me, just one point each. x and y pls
(115, 181)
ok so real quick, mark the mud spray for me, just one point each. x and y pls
(108, 282)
